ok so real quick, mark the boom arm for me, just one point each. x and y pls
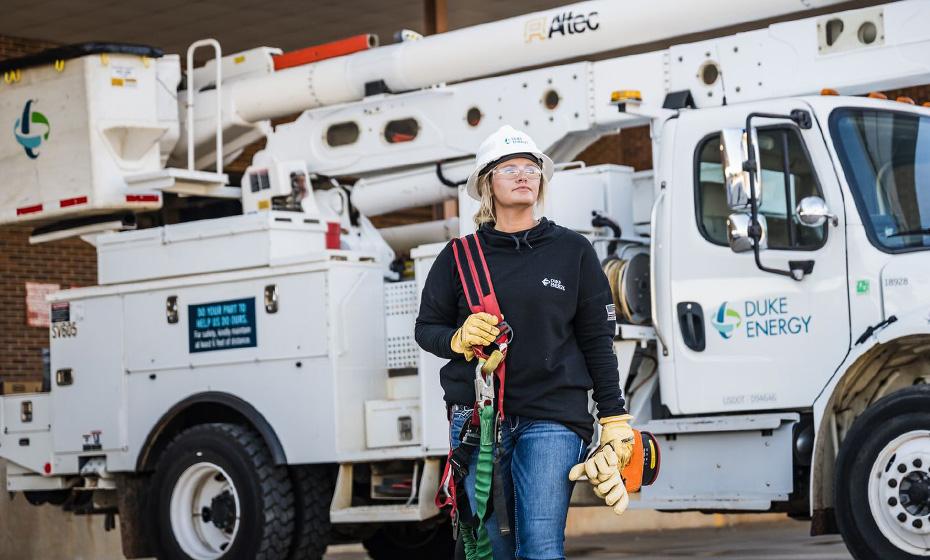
(538, 38)
(565, 108)
(543, 37)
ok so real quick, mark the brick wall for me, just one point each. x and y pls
(631, 147)
(920, 94)
(66, 263)
(12, 47)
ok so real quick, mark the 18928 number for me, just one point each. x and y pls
(65, 329)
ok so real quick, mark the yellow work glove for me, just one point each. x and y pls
(617, 433)
(478, 330)
(613, 492)
(603, 468)
(614, 451)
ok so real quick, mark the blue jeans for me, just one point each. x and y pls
(536, 457)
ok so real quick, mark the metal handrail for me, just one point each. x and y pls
(190, 101)
(652, 269)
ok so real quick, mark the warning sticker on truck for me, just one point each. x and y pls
(61, 312)
(222, 325)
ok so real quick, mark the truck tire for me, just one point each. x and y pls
(882, 487)
(219, 495)
(313, 490)
(411, 541)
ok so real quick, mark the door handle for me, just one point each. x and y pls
(691, 321)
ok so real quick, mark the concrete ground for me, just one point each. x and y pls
(594, 533)
(781, 540)
(770, 540)
(46, 532)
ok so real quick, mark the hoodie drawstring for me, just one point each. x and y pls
(517, 240)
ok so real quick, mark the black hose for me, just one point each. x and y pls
(599, 220)
(442, 178)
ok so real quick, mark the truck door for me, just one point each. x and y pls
(745, 339)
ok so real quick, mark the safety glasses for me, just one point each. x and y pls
(531, 172)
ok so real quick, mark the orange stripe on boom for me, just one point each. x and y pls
(316, 53)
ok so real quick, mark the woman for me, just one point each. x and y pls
(556, 299)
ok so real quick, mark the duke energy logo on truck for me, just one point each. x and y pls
(727, 320)
(31, 130)
(760, 318)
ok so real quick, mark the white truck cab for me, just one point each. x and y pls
(815, 322)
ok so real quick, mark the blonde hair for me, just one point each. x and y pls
(486, 213)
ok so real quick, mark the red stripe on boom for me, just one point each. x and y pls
(65, 202)
(28, 209)
(141, 198)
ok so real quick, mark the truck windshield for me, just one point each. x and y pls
(886, 158)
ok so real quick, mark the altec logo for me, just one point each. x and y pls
(31, 130)
(727, 320)
(565, 23)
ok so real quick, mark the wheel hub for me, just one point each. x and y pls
(222, 512)
(899, 492)
(915, 493)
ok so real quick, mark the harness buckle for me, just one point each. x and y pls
(504, 335)
(484, 386)
(500, 344)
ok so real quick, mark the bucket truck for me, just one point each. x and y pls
(248, 383)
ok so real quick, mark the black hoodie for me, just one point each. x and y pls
(554, 295)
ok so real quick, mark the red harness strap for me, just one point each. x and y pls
(480, 296)
(486, 300)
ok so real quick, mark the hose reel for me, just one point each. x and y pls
(630, 287)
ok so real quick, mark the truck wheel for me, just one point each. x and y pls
(412, 541)
(313, 488)
(883, 479)
(220, 496)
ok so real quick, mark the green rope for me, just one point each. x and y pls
(471, 543)
(478, 544)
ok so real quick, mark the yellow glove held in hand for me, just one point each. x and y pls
(478, 330)
(617, 433)
(603, 468)
(608, 484)
(613, 492)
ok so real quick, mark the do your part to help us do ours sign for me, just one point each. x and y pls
(222, 325)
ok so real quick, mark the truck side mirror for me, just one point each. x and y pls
(812, 212)
(739, 232)
(735, 157)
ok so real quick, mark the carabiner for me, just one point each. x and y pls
(484, 386)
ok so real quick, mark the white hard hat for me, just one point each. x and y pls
(507, 141)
